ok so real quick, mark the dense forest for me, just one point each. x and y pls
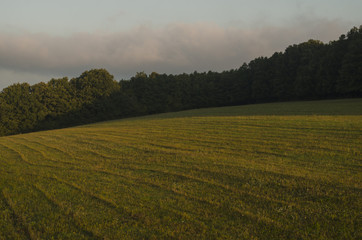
(310, 70)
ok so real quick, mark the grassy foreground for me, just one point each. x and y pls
(268, 171)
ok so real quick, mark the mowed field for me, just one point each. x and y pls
(266, 171)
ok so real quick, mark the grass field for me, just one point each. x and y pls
(267, 171)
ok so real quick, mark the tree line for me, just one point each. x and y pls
(306, 71)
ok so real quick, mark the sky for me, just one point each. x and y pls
(45, 39)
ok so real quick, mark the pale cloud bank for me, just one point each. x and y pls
(174, 48)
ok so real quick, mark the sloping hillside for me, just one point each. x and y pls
(268, 171)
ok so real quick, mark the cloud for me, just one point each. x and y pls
(9, 77)
(174, 48)
(120, 14)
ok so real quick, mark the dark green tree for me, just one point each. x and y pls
(94, 84)
(350, 81)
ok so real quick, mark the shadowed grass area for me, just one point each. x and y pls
(305, 108)
(266, 171)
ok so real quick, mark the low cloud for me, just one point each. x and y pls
(174, 48)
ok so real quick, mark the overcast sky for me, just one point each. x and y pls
(44, 39)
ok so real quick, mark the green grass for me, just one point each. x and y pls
(267, 171)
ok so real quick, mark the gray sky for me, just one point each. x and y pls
(44, 39)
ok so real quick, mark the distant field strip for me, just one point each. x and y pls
(200, 174)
